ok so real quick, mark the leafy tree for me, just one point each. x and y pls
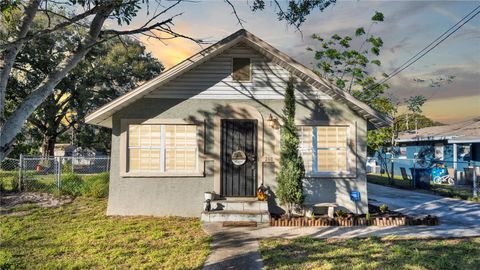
(292, 170)
(349, 68)
(422, 122)
(107, 71)
(414, 105)
(297, 10)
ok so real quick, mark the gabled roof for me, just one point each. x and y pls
(465, 131)
(103, 115)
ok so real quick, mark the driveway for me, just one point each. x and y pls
(452, 212)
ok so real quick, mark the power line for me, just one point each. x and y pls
(439, 37)
(426, 50)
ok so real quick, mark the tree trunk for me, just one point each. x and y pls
(48, 146)
(7, 59)
(14, 123)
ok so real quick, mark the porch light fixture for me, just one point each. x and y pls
(271, 121)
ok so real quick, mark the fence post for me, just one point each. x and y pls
(58, 173)
(475, 186)
(20, 173)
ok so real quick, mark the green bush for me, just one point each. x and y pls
(8, 180)
(6, 260)
(383, 208)
(67, 167)
(96, 186)
(71, 184)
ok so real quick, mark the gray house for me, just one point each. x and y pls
(212, 123)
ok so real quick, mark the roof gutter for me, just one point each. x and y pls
(422, 139)
(460, 140)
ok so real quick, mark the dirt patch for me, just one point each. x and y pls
(46, 200)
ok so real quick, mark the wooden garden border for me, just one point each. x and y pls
(354, 221)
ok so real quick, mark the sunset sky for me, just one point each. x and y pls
(408, 27)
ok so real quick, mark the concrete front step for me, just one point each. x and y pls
(239, 205)
(232, 215)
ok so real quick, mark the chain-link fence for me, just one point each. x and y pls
(9, 174)
(455, 179)
(49, 174)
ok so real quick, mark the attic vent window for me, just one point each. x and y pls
(242, 69)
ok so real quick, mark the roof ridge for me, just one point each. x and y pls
(282, 59)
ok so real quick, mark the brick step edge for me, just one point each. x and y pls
(350, 222)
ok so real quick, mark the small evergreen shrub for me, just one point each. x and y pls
(71, 184)
(383, 208)
(96, 186)
(292, 170)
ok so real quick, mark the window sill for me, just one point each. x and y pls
(331, 175)
(160, 175)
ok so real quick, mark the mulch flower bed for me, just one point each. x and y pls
(375, 218)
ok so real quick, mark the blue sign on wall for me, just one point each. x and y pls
(355, 196)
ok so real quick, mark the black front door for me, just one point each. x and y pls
(238, 158)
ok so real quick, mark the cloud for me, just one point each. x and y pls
(171, 51)
(407, 28)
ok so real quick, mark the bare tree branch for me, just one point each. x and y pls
(59, 26)
(234, 11)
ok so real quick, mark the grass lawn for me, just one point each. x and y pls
(383, 180)
(80, 236)
(371, 253)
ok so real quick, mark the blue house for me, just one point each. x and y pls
(456, 145)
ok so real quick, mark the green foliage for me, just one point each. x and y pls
(67, 167)
(71, 184)
(292, 171)
(8, 181)
(341, 214)
(109, 70)
(6, 260)
(350, 69)
(378, 17)
(96, 186)
(422, 121)
(383, 208)
(297, 10)
(415, 103)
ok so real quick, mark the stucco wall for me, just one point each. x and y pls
(183, 196)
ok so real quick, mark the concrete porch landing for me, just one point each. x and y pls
(237, 210)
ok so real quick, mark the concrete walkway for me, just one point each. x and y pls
(232, 248)
(237, 248)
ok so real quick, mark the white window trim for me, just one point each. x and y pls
(163, 148)
(314, 173)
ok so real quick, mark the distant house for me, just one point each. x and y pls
(212, 123)
(456, 145)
